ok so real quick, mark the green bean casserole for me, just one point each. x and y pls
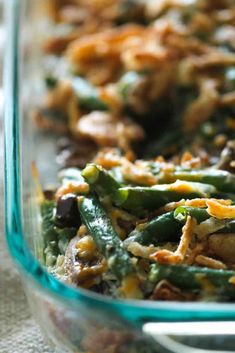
(141, 95)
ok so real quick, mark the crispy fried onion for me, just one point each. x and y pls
(206, 261)
(202, 108)
(61, 101)
(121, 221)
(196, 250)
(133, 47)
(178, 256)
(101, 53)
(217, 210)
(198, 202)
(72, 187)
(107, 130)
(139, 250)
(136, 174)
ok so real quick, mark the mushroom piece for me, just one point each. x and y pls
(223, 246)
(83, 263)
(67, 214)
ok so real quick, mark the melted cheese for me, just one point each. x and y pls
(181, 187)
(232, 280)
(130, 288)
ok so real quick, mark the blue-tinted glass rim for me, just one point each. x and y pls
(132, 310)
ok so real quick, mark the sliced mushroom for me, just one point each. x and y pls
(67, 214)
(223, 246)
(83, 263)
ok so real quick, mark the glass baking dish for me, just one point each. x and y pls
(76, 320)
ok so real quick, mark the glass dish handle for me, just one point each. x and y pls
(182, 337)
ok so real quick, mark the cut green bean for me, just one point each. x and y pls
(48, 225)
(164, 228)
(165, 144)
(167, 227)
(51, 82)
(105, 236)
(229, 227)
(55, 239)
(149, 198)
(100, 179)
(221, 179)
(182, 212)
(87, 94)
(70, 174)
(230, 78)
(192, 278)
(130, 11)
(200, 214)
(127, 82)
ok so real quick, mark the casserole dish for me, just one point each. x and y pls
(75, 320)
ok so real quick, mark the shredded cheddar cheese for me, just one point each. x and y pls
(198, 202)
(130, 287)
(208, 288)
(181, 187)
(232, 280)
(72, 188)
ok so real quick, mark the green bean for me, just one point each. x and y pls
(201, 215)
(70, 174)
(127, 82)
(164, 228)
(167, 227)
(165, 144)
(182, 212)
(221, 179)
(105, 236)
(55, 239)
(228, 228)
(116, 173)
(192, 278)
(174, 139)
(230, 78)
(54, 115)
(48, 225)
(130, 11)
(100, 179)
(51, 82)
(139, 199)
(87, 94)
